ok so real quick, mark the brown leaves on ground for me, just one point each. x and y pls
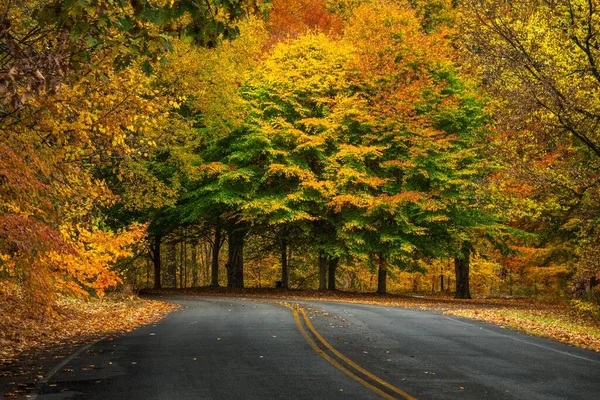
(553, 322)
(556, 321)
(24, 328)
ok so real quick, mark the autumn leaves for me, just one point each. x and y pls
(346, 129)
(360, 141)
(77, 114)
(364, 145)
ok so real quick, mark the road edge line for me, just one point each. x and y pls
(40, 384)
(472, 323)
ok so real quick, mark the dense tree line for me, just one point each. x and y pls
(376, 137)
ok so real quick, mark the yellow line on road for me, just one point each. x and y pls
(333, 362)
(352, 363)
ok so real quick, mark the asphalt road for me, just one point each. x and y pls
(251, 349)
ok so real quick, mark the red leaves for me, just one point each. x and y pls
(21, 233)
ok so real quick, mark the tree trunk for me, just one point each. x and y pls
(333, 264)
(206, 262)
(182, 267)
(382, 276)
(461, 269)
(148, 268)
(171, 278)
(214, 281)
(322, 271)
(185, 264)
(235, 262)
(156, 261)
(195, 271)
(285, 279)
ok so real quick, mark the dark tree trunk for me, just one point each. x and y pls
(461, 269)
(214, 282)
(182, 266)
(333, 264)
(156, 261)
(172, 265)
(382, 276)
(195, 269)
(235, 262)
(285, 278)
(185, 264)
(148, 268)
(206, 261)
(322, 271)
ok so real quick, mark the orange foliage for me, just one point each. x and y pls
(86, 267)
(394, 60)
(50, 235)
(289, 19)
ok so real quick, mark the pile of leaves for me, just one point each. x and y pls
(559, 321)
(25, 328)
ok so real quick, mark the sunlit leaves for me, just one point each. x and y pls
(83, 268)
(112, 135)
(413, 160)
(539, 63)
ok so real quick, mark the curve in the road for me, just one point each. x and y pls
(256, 349)
(333, 362)
(352, 363)
(343, 358)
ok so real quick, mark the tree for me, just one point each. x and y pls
(75, 135)
(408, 178)
(78, 144)
(295, 95)
(198, 87)
(547, 48)
(46, 42)
(539, 63)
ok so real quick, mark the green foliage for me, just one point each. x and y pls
(143, 27)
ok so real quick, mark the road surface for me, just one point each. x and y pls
(218, 348)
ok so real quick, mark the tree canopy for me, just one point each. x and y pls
(355, 137)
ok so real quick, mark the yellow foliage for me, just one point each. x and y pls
(208, 80)
(290, 171)
(345, 200)
(49, 202)
(586, 308)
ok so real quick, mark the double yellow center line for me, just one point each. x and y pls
(342, 362)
